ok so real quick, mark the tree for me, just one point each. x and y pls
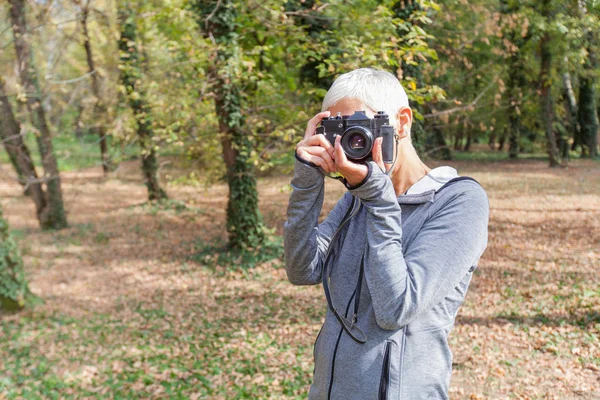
(410, 14)
(571, 109)
(587, 112)
(10, 132)
(516, 35)
(217, 20)
(547, 104)
(100, 112)
(53, 215)
(132, 81)
(14, 291)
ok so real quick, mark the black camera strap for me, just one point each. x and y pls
(349, 325)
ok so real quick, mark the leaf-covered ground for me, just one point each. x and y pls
(136, 307)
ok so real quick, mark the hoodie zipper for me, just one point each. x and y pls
(384, 383)
(336, 347)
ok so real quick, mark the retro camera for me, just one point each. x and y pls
(358, 133)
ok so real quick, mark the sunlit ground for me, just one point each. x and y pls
(130, 312)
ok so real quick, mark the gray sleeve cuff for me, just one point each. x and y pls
(306, 176)
(377, 187)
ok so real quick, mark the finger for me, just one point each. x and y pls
(378, 155)
(320, 140)
(318, 161)
(323, 153)
(341, 160)
(314, 121)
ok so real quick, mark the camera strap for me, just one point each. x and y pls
(348, 325)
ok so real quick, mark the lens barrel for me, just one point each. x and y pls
(357, 142)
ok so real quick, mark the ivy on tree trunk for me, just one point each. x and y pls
(131, 78)
(217, 20)
(14, 291)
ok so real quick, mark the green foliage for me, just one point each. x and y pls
(283, 55)
(14, 291)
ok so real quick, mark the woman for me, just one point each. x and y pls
(395, 255)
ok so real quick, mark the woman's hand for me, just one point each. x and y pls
(353, 172)
(316, 148)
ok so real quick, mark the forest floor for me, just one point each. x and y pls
(131, 311)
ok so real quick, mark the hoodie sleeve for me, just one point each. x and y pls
(402, 286)
(305, 240)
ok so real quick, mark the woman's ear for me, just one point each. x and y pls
(404, 118)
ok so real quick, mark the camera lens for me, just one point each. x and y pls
(357, 142)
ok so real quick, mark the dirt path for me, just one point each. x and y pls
(127, 310)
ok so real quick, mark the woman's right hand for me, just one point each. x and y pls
(316, 148)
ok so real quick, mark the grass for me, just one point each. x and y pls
(142, 301)
(73, 153)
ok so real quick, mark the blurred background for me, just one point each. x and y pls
(147, 148)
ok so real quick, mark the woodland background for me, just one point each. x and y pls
(139, 136)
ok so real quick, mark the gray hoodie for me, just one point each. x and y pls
(418, 253)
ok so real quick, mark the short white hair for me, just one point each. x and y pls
(377, 89)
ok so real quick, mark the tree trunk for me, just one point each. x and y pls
(99, 106)
(515, 83)
(502, 140)
(54, 217)
(10, 132)
(547, 105)
(571, 106)
(244, 222)
(467, 146)
(78, 124)
(136, 97)
(492, 140)
(14, 291)
(588, 117)
(458, 136)
(588, 114)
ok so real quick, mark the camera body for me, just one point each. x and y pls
(358, 133)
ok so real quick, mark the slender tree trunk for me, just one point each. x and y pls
(469, 141)
(458, 136)
(10, 132)
(244, 222)
(547, 105)
(588, 117)
(492, 141)
(99, 105)
(77, 126)
(515, 84)
(54, 217)
(136, 97)
(502, 140)
(571, 106)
